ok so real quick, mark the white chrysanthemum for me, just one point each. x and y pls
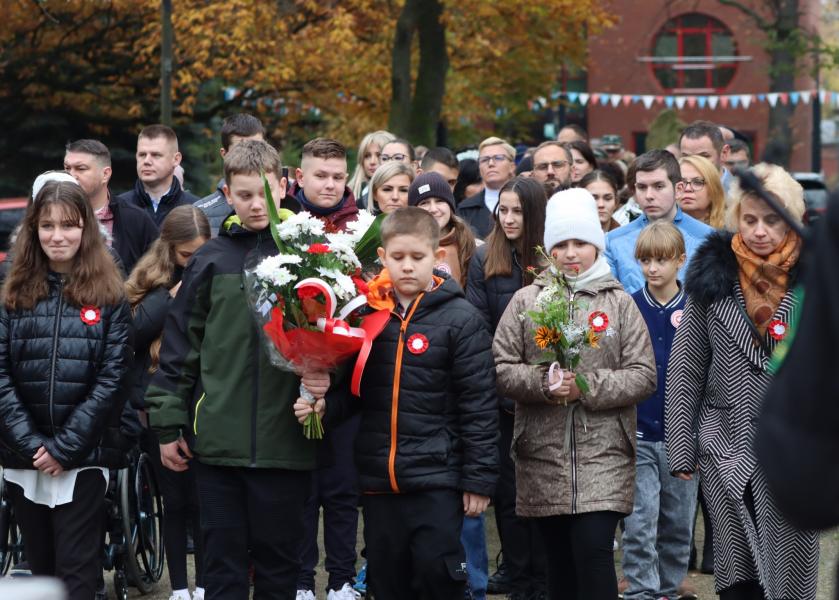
(275, 276)
(360, 225)
(303, 223)
(344, 253)
(270, 265)
(343, 284)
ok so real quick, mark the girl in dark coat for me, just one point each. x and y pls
(497, 271)
(65, 346)
(152, 284)
(740, 304)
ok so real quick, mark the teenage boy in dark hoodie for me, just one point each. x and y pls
(216, 388)
(426, 450)
(321, 184)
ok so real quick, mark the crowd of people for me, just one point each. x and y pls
(125, 320)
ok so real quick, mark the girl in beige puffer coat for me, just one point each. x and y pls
(574, 452)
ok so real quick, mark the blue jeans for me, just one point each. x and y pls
(656, 543)
(474, 543)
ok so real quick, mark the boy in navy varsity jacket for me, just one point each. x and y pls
(656, 544)
(426, 449)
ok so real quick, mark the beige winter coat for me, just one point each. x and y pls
(589, 464)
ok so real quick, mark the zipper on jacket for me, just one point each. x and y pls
(55, 351)
(394, 402)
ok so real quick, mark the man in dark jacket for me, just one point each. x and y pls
(236, 128)
(157, 190)
(497, 163)
(130, 229)
(321, 185)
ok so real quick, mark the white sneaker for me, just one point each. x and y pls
(345, 593)
(305, 595)
(179, 595)
(198, 594)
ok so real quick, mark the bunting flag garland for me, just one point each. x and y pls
(701, 101)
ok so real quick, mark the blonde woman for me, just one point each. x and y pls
(367, 161)
(701, 194)
(389, 187)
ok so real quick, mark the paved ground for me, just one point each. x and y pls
(703, 583)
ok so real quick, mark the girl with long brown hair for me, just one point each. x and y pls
(498, 270)
(65, 347)
(154, 281)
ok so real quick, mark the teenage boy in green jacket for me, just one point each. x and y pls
(219, 407)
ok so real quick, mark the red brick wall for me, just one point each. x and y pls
(613, 67)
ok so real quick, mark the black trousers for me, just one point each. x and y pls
(65, 541)
(335, 488)
(747, 590)
(251, 516)
(520, 541)
(581, 563)
(180, 514)
(413, 545)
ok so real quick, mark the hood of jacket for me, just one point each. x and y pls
(593, 288)
(713, 270)
(338, 216)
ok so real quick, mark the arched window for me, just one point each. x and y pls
(694, 53)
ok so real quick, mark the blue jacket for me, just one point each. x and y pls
(620, 248)
(662, 322)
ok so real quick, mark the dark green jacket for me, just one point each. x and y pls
(215, 383)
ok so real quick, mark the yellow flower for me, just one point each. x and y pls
(593, 339)
(546, 336)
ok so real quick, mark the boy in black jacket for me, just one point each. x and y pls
(426, 450)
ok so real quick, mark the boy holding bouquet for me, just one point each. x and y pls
(218, 406)
(426, 450)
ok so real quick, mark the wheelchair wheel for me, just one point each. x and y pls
(149, 518)
(141, 515)
(11, 542)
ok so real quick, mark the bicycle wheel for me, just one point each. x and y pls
(149, 519)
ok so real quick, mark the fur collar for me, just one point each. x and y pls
(713, 270)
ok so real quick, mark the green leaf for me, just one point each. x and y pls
(273, 214)
(582, 384)
(369, 243)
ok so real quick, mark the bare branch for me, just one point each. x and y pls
(749, 12)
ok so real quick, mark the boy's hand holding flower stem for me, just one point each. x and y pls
(473, 504)
(317, 382)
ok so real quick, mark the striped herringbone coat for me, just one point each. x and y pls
(715, 386)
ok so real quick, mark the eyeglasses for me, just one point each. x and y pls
(556, 164)
(696, 183)
(484, 160)
(389, 157)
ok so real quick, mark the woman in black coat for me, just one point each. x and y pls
(740, 304)
(498, 270)
(152, 284)
(65, 346)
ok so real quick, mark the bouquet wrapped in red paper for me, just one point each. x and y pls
(307, 296)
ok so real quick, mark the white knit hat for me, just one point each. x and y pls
(572, 215)
(47, 176)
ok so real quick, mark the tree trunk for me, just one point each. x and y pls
(782, 79)
(415, 116)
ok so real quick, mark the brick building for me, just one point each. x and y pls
(688, 48)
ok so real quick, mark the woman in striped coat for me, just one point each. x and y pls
(740, 302)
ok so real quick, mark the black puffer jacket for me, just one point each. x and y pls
(429, 417)
(149, 318)
(60, 381)
(491, 296)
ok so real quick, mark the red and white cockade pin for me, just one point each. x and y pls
(599, 321)
(778, 329)
(417, 343)
(90, 315)
(676, 318)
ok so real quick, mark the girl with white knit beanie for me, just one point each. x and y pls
(575, 451)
